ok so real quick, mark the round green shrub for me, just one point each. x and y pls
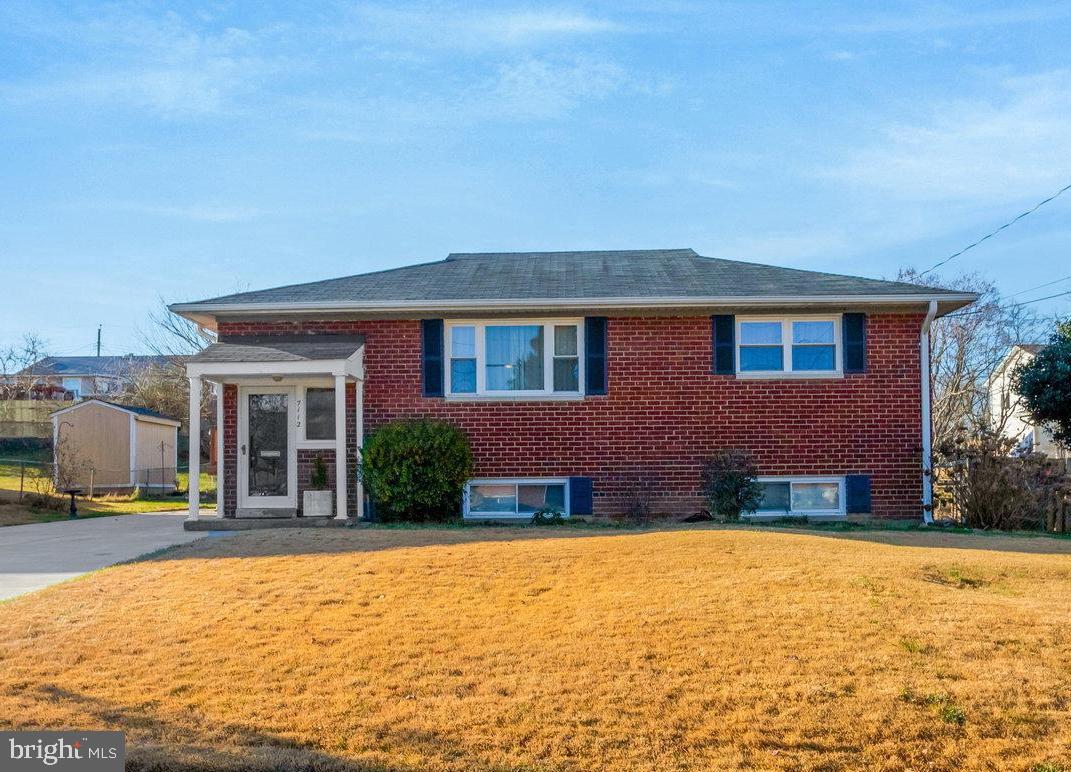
(416, 470)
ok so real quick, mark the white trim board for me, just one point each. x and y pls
(201, 310)
(352, 367)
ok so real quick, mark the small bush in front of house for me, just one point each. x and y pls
(318, 476)
(416, 470)
(730, 485)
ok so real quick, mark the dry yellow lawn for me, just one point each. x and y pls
(504, 649)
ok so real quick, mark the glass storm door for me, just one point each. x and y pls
(266, 456)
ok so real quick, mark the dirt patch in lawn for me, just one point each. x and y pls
(499, 649)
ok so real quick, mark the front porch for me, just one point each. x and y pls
(214, 523)
(283, 404)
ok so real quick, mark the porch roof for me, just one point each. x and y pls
(258, 355)
(279, 348)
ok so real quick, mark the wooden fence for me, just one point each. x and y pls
(28, 417)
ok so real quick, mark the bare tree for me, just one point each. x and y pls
(967, 346)
(171, 335)
(18, 364)
(163, 386)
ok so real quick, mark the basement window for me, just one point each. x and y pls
(515, 498)
(801, 496)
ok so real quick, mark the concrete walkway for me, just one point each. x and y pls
(37, 555)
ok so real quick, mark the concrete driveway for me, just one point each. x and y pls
(35, 556)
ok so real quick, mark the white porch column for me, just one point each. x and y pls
(219, 449)
(359, 420)
(195, 447)
(340, 447)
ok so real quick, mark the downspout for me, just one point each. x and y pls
(927, 421)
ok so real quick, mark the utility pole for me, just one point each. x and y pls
(98, 338)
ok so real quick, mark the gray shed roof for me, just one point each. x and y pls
(142, 411)
(280, 348)
(630, 275)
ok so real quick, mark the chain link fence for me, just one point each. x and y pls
(21, 477)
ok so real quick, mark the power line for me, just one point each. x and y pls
(1040, 286)
(1008, 224)
(1013, 305)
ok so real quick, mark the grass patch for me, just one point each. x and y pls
(945, 707)
(960, 577)
(914, 646)
(552, 648)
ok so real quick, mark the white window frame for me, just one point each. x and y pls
(482, 392)
(786, 321)
(563, 481)
(841, 511)
(301, 402)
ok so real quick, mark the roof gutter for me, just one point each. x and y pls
(927, 420)
(510, 304)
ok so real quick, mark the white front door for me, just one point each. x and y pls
(267, 454)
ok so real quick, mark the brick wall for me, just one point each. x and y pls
(230, 442)
(665, 412)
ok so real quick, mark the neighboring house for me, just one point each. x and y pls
(83, 377)
(114, 447)
(579, 376)
(1007, 413)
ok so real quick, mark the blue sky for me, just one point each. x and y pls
(195, 149)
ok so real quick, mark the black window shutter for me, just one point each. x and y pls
(595, 355)
(432, 356)
(857, 493)
(723, 344)
(854, 343)
(580, 496)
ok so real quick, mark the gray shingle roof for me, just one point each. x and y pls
(139, 410)
(638, 274)
(280, 348)
(98, 366)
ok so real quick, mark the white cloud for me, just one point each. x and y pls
(541, 88)
(164, 63)
(1011, 145)
(525, 89)
(428, 27)
(933, 18)
(208, 212)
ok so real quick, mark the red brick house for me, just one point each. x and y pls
(579, 377)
